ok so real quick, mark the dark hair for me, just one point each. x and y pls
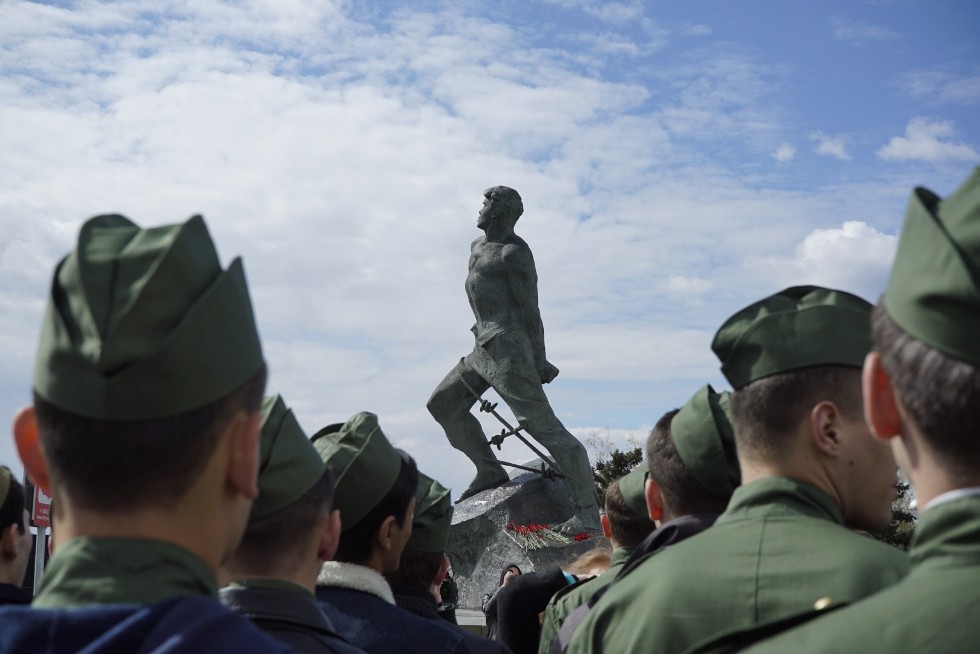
(417, 569)
(628, 528)
(940, 393)
(766, 412)
(286, 532)
(12, 509)
(109, 465)
(356, 541)
(503, 573)
(682, 493)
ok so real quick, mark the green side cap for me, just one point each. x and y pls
(631, 485)
(933, 292)
(703, 436)
(144, 323)
(433, 516)
(289, 465)
(799, 327)
(364, 464)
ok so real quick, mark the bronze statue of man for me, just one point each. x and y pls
(509, 356)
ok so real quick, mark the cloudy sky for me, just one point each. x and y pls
(677, 161)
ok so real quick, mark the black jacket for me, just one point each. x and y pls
(291, 617)
(420, 602)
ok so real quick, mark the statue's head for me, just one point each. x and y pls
(502, 203)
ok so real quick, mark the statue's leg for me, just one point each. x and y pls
(450, 405)
(516, 380)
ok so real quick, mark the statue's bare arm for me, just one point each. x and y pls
(522, 279)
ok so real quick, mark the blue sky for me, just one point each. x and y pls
(677, 161)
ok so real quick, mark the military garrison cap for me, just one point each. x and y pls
(364, 464)
(800, 327)
(289, 465)
(144, 323)
(933, 292)
(703, 436)
(433, 516)
(631, 485)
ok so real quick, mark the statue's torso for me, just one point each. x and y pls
(489, 289)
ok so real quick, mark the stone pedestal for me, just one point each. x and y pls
(480, 545)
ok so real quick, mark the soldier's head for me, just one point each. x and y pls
(502, 204)
(424, 562)
(922, 382)
(15, 537)
(293, 526)
(691, 456)
(794, 360)
(148, 379)
(626, 521)
(375, 491)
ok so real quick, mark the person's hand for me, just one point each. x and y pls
(547, 372)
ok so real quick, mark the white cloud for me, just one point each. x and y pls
(685, 286)
(927, 139)
(616, 13)
(941, 86)
(695, 29)
(785, 152)
(855, 257)
(342, 152)
(849, 30)
(832, 146)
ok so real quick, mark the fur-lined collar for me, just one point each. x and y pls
(355, 577)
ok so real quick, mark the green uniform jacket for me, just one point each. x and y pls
(935, 609)
(779, 548)
(571, 597)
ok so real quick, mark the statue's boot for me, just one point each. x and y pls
(487, 477)
(586, 519)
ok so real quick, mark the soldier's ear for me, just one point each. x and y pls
(442, 572)
(329, 535)
(825, 427)
(655, 501)
(9, 542)
(29, 448)
(606, 528)
(243, 433)
(881, 406)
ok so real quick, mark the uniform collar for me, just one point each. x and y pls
(781, 496)
(949, 496)
(94, 571)
(285, 602)
(355, 577)
(947, 533)
(620, 555)
(275, 584)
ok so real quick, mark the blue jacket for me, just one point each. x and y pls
(369, 622)
(174, 626)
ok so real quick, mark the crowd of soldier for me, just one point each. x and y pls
(745, 527)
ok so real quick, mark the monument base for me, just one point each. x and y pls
(480, 544)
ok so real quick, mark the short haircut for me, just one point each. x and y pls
(356, 542)
(681, 491)
(417, 569)
(510, 200)
(286, 532)
(628, 529)
(107, 465)
(12, 509)
(766, 412)
(940, 393)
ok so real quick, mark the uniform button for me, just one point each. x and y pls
(822, 603)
